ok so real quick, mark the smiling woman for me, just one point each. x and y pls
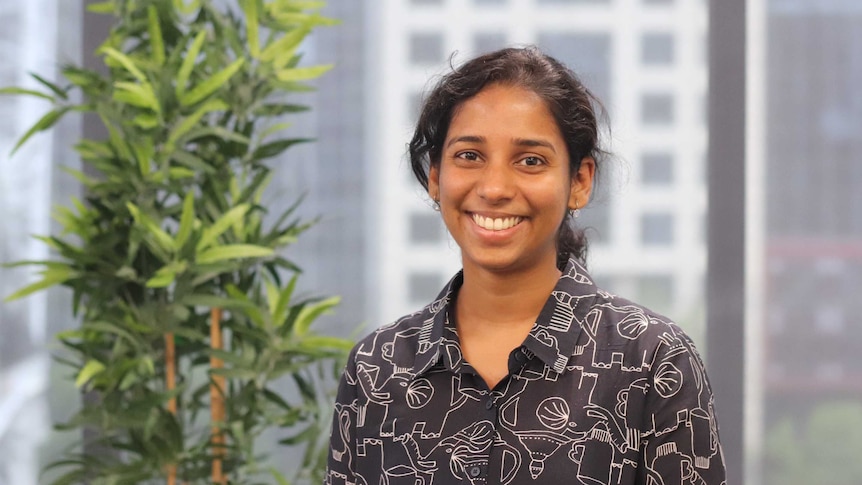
(521, 370)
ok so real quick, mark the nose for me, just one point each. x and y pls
(496, 183)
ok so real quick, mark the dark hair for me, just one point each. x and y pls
(573, 106)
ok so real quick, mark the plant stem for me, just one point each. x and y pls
(217, 390)
(170, 385)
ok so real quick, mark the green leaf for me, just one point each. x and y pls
(279, 313)
(162, 238)
(193, 162)
(210, 234)
(167, 274)
(28, 92)
(302, 73)
(275, 148)
(285, 45)
(278, 109)
(232, 251)
(60, 92)
(310, 313)
(141, 95)
(146, 121)
(144, 152)
(279, 477)
(213, 301)
(211, 85)
(53, 275)
(252, 25)
(102, 7)
(192, 120)
(323, 343)
(157, 43)
(275, 128)
(187, 219)
(189, 63)
(124, 61)
(43, 124)
(91, 369)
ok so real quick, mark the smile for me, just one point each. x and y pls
(497, 224)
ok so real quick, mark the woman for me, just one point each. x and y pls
(521, 371)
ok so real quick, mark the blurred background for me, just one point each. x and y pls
(381, 247)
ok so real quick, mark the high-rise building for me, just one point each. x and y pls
(645, 59)
(813, 204)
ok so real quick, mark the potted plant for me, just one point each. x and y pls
(187, 308)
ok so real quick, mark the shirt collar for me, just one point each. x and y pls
(552, 339)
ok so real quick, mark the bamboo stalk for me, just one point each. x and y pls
(217, 405)
(170, 385)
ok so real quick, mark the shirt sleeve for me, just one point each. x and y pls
(682, 445)
(340, 469)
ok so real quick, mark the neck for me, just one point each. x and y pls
(505, 299)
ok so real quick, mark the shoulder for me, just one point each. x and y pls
(624, 321)
(398, 345)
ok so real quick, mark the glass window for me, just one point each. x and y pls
(657, 168)
(656, 292)
(657, 109)
(426, 48)
(808, 250)
(423, 287)
(559, 2)
(489, 41)
(657, 48)
(589, 55)
(426, 228)
(657, 229)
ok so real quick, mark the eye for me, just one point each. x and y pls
(531, 161)
(468, 155)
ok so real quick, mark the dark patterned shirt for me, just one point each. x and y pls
(601, 392)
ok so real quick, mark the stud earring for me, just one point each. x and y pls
(574, 213)
(436, 205)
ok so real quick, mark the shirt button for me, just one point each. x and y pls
(489, 403)
(475, 471)
(520, 357)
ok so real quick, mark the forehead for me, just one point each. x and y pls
(503, 109)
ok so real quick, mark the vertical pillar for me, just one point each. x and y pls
(726, 224)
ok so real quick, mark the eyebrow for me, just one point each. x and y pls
(525, 142)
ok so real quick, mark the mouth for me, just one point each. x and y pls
(498, 223)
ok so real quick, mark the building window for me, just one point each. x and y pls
(657, 109)
(657, 48)
(558, 2)
(588, 54)
(657, 229)
(489, 41)
(425, 228)
(426, 48)
(656, 292)
(657, 168)
(423, 287)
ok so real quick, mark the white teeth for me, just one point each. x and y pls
(498, 224)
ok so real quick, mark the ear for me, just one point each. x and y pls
(434, 182)
(582, 183)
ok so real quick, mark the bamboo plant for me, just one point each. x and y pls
(188, 314)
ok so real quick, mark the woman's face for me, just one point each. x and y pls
(503, 181)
